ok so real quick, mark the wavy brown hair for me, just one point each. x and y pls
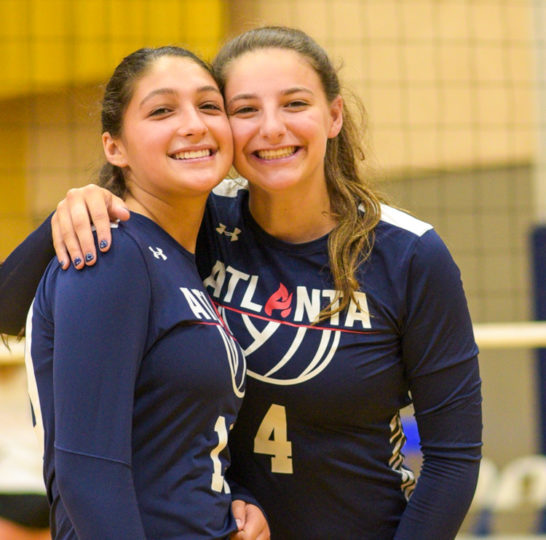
(353, 203)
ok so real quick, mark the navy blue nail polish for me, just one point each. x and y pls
(77, 261)
(103, 244)
(89, 257)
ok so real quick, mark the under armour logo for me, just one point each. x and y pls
(158, 253)
(221, 229)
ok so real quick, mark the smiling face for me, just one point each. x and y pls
(175, 138)
(280, 120)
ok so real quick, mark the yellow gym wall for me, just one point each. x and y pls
(55, 55)
(447, 84)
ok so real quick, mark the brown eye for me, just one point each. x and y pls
(296, 104)
(160, 111)
(243, 110)
(212, 106)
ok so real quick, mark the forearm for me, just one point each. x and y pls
(450, 425)
(440, 501)
(20, 274)
(99, 497)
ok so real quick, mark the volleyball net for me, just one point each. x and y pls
(529, 334)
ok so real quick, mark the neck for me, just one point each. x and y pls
(292, 217)
(180, 218)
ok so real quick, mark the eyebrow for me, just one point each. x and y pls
(172, 91)
(287, 92)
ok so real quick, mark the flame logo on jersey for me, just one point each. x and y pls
(281, 300)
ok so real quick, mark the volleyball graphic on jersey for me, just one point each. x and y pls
(287, 318)
(260, 331)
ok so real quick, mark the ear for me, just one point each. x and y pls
(336, 113)
(114, 150)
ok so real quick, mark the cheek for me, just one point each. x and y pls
(238, 157)
(221, 125)
(227, 136)
(144, 139)
(239, 142)
(241, 132)
(314, 128)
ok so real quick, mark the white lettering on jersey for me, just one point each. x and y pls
(249, 293)
(311, 306)
(216, 278)
(330, 295)
(205, 302)
(308, 301)
(235, 276)
(198, 304)
(358, 312)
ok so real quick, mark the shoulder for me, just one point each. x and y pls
(407, 232)
(404, 239)
(111, 269)
(393, 217)
(127, 250)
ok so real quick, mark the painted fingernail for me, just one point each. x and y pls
(89, 257)
(77, 261)
(103, 244)
(61, 262)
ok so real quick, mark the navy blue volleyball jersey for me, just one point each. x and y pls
(138, 383)
(319, 437)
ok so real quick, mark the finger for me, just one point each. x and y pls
(98, 202)
(256, 526)
(60, 250)
(64, 230)
(264, 535)
(79, 220)
(117, 209)
(238, 509)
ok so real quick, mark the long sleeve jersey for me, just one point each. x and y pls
(135, 382)
(319, 436)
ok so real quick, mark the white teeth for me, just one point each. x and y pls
(192, 154)
(275, 154)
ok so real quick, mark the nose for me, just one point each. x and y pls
(272, 125)
(192, 124)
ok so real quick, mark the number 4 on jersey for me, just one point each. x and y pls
(271, 439)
